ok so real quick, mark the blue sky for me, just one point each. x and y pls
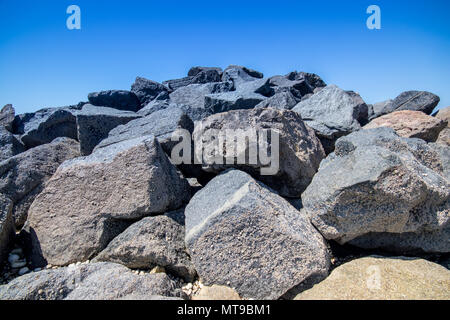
(43, 64)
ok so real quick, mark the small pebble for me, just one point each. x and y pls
(23, 271)
(18, 264)
(13, 258)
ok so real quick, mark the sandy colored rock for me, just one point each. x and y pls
(216, 292)
(410, 124)
(444, 136)
(378, 278)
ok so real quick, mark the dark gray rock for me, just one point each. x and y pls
(242, 235)
(155, 105)
(196, 70)
(300, 151)
(46, 125)
(379, 190)
(23, 176)
(94, 124)
(332, 113)
(161, 124)
(282, 100)
(90, 200)
(9, 144)
(116, 99)
(147, 90)
(298, 88)
(313, 80)
(204, 76)
(381, 108)
(7, 115)
(416, 101)
(94, 281)
(239, 74)
(7, 230)
(151, 242)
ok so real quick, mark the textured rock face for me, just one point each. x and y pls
(444, 136)
(116, 99)
(444, 115)
(382, 191)
(416, 101)
(332, 113)
(242, 235)
(46, 125)
(90, 200)
(298, 88)
(160, 124)
(313, 80)
(23, 176)
(7, 230)
(377, 278)
(217, 293)
(94, 124)
(203, 76)
(238, 74)
(282, 101)
(95, 281)
(196, 70)
(9, 145)
(147, 90)
(300, 151)
(410, 124)
(151, 242)
(7, 115)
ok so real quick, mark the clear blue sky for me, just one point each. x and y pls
(43, 64)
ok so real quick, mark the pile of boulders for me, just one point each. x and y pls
(93, 204)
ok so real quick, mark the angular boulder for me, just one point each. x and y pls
(313, 80)
(147, 90)
(93, 281)
(203, 76)
(116, 99)
(196, 70)
(151, 242)
(7, 115)
(444, 136)
(7, 230)
(332, 113)
(90, 200)
(9, 145)
(416, 101)
(23, 176)
(239, 74)
(378, 278)
(410, 124)
(241, 235)
(298, 88)
(378, 190)
(300, 151)
(94, 123)
(281, 100)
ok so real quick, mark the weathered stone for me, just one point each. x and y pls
(7, 115)
(410, 124)
(204, 76)
(217, 293)
(7, 230)
(116, 99)
(444, 115)
(281, 100)
(332, 113)
(153, 241)
(444, 136)
(238, 74)
(94, 281)
(90, 200)
(416, 101)
(147, 90)
(379, 109)
(242, 235)
(9, 144)
(196, 70)
(23, 176)
(379, 190)
(298, 88)
(300, 151)
(94, 124)
(312, 79)
(160, 124)
(378, 278)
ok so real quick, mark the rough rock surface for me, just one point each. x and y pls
(203, 76)
(116, 99)
(379, 190)
(242, 235)
(281, 100)
(196, 70)
(160, 124)
(23, 176)
(94, 281)
(444, 136)
(332, 113)
(7, 230)
(7, 115)
(300, 150)
(147, 90)
(216, 293)
(378, 278)
(9, 144)
(94, 124)
(239, 74)
(151, 242)
(46, 125)
(410, 124)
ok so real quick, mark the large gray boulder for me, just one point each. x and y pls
(161, 124)
(333, 113)
(313, 80)
(9, 144)
(239, 74)
(116, 99)
(94, 124)
(242, 235)
(46, 125)
(147, 90)
(298, 88)
(90, 200)
(94, 281)
(203, 76)
(299, 156)
(379, 190)
(23, 176)
(7, 230)
(151, 242)
(196, 70)
(284, 100)
(7, 115)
